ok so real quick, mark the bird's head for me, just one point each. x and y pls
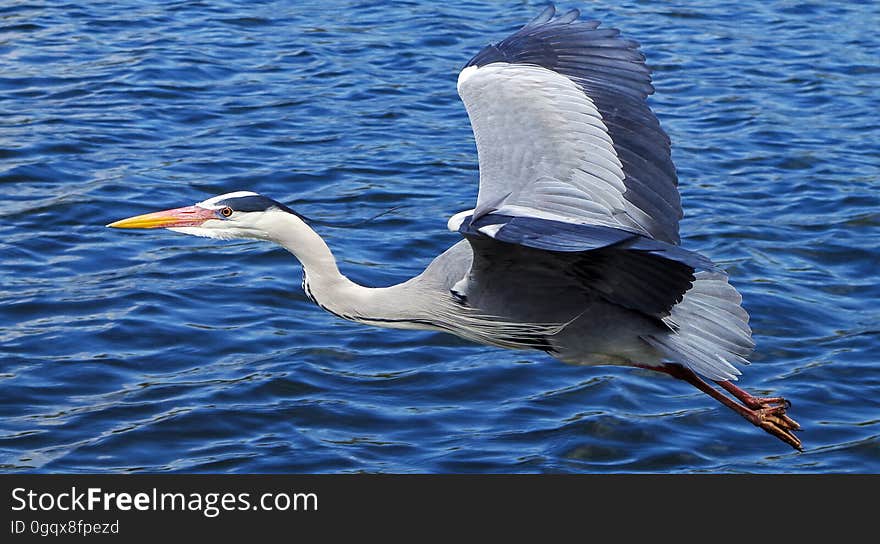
(241, 214)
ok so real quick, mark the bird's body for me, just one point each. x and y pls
(581, 330)
(573, 245)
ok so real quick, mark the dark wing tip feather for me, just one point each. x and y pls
(569, 17)
(542, 40)
(543, 17)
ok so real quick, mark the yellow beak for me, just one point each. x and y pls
(190, 216)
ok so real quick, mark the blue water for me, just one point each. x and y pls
(152, 351)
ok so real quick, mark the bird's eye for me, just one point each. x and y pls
(226, 212)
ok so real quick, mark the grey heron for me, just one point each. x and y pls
(572, 247)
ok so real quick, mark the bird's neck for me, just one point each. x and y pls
(310, 249)
(325, 285)
(422, 302)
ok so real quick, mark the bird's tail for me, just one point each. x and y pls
(710, 329)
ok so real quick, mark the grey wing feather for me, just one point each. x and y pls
(612, 74)
(712, 329)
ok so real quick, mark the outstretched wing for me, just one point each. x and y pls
(564, 132)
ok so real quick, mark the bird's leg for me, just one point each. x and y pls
(768, 414)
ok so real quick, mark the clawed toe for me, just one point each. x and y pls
(776, 422)
(777, 414)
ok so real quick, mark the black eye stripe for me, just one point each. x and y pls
(253, 203)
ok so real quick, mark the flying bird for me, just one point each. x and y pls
(572, 247)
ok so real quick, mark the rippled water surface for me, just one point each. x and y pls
(151, 351)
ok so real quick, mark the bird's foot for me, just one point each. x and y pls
(768, 413)
(772, 419)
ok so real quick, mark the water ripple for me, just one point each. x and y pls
(153, 352)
